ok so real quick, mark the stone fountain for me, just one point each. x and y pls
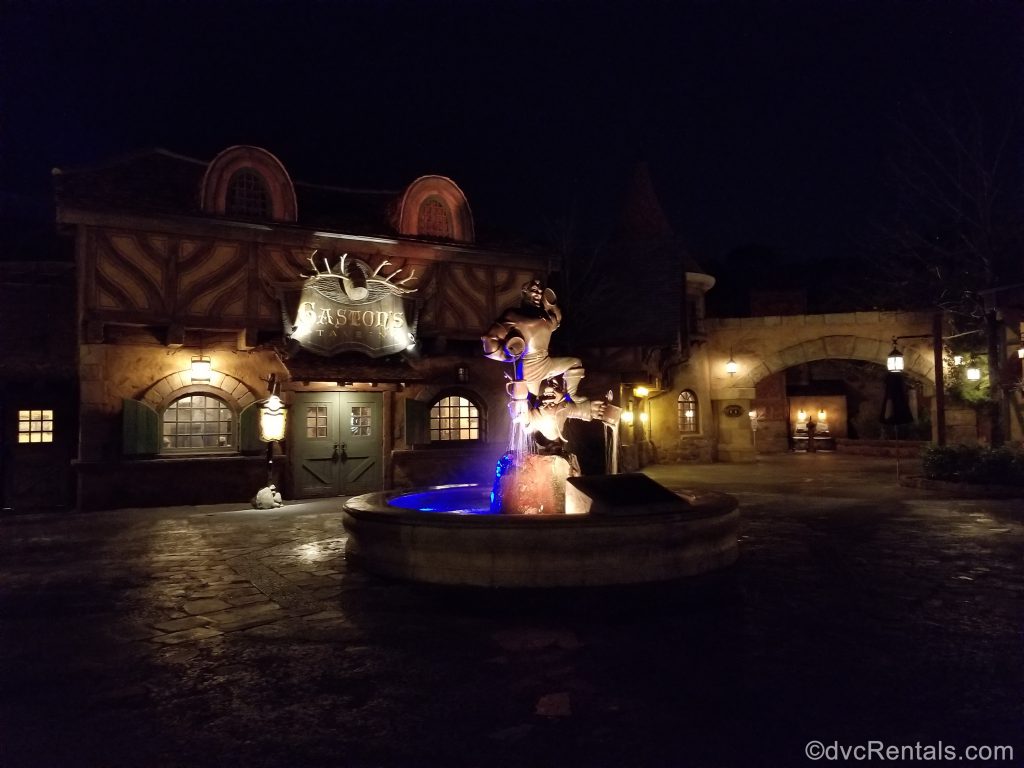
(541, 524)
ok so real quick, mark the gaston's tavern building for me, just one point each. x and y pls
(200, 289)
(204, 286)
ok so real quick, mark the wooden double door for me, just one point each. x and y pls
(337, 442)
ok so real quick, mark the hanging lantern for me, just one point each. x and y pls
(894, 362)
(272, 419)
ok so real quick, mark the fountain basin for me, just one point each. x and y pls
(465, 547)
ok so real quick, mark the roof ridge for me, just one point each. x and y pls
(335, 188)
(126, 157)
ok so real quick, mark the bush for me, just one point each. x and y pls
(974, 464)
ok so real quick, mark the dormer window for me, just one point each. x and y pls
(434, 219)
(248, 183)
(433, 206)
(247, 196)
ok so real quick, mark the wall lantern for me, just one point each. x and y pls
(200, 368)
(627, 417)
(822, 415)
(272, 419)
(801, 416)
(973, 373)
(643, 417)
(730, 365)
(894, 362)
(641, 391)
(958, 359)
(462, 374)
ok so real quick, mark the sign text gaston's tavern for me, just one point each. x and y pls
(351, 308)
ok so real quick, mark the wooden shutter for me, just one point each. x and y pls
(140, 432)
(249, 430)
(417, 420)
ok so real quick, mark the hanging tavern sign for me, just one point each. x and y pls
(351, 308)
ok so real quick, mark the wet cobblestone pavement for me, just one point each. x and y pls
(859, 610)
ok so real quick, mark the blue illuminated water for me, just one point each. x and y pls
(448, 499)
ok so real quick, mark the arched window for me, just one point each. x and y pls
(453, 417)
(196, 423)
(689, 416)
(247, 195)
(435, 219)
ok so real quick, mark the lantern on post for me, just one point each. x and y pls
(273, 419)
(894, 362)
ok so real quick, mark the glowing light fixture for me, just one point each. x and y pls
(688, 413)
(627, 417)
(958, 359)
(973, 373)
(201, 368)
(641, 391)
(894, 362)
(643, 418)
(822, 416)
(272, 419)
(801, 415)
(731, 367)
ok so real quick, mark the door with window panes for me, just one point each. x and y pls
(337, 443)
(37, 443)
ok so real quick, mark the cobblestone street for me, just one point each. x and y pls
(859, 610)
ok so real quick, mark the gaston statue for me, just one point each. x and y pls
(522, 336)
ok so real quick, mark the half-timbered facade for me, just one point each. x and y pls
(203, 285)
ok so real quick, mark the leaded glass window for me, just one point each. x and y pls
(688, 413)
(200, 423)
(359, 421)
(35, 426)
(454, 418)
(247, 196)
(316, 422)
(435, 220)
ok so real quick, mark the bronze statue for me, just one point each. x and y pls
(521, 336)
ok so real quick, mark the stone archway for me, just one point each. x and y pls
(761, 347)
(918, 364)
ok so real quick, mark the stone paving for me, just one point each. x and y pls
(859, 610)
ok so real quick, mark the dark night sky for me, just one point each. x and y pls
(763, 122)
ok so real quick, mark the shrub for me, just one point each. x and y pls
(974, 464)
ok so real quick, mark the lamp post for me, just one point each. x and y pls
(894, 363)
(895, 408)
(754, 416)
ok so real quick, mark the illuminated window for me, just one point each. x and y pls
(454, 418)
(35, 426)
(688, 414)
(316, 422)
(359, 421)
(434, 220)
(198, 423)
(247, 196)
